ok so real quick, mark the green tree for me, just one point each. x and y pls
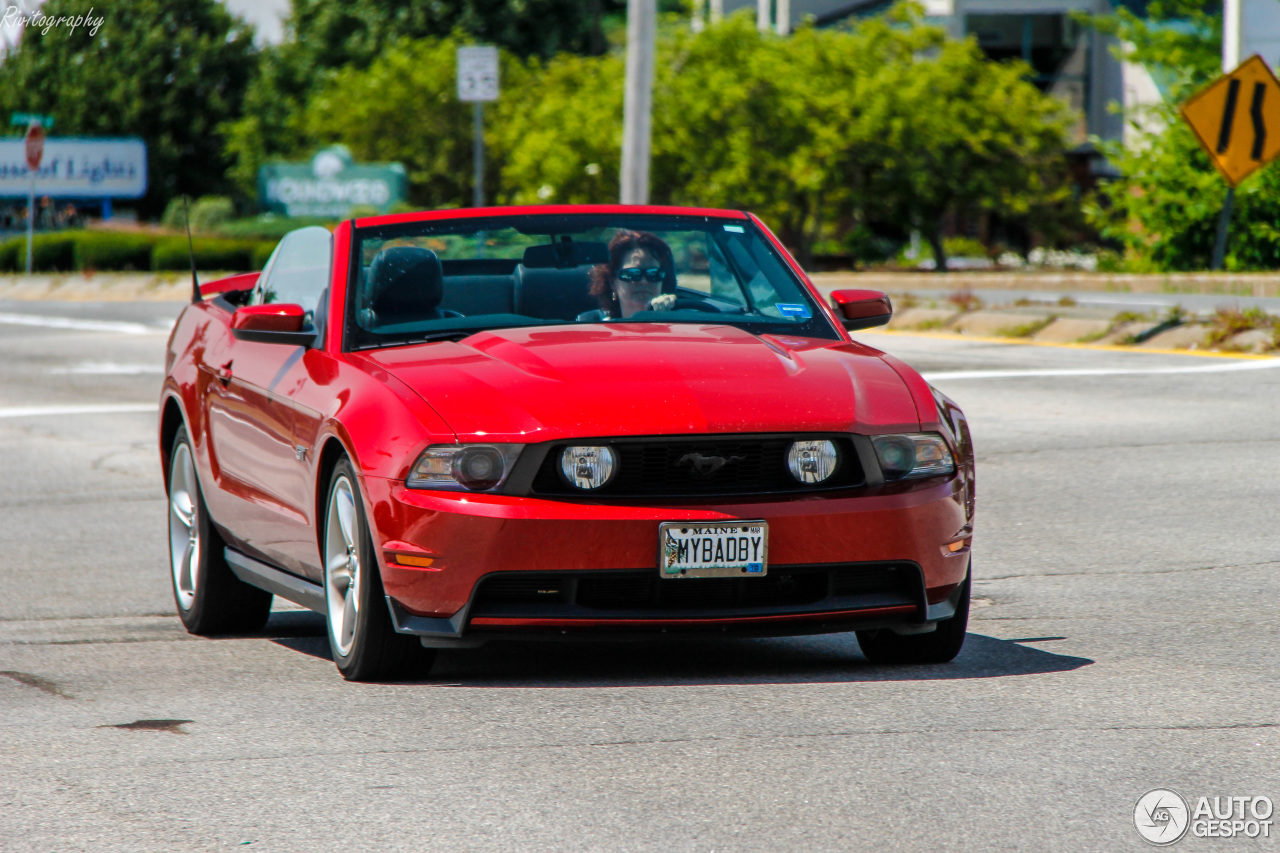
(952, 132)
(168, 71)
(324, 38)
(563, 146)
(821, 131)
(404, 107)
(1178, 41)
(1164, 208)
(750, 120)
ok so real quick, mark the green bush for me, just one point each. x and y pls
(207, 213)
(51, 252)
(964, 247)
(262, 253)
(211, 211)
(171, 253)
(110, 250)
(9, 250)
(268, 226)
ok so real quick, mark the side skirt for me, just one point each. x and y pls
(273, 580)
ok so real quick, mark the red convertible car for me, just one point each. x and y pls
(446, 427)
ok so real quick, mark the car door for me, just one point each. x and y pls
(252, 416)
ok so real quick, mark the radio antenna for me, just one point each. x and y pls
(191, 250)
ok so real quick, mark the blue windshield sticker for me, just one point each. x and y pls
(736, 229)
(789, 310)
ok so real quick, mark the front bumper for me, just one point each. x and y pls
(865, 558)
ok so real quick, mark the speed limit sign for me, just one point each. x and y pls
(34, 143)
(478, 73)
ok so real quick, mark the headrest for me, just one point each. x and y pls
(565, 254)
(405, 284)
(553, 294)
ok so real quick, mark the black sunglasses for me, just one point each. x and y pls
(654, 274)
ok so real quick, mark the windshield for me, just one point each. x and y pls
(446, 279)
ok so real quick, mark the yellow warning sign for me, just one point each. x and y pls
(1237, 119)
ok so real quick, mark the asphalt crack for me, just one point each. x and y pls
(1122, 573)
(746, 738)
(170, 726)
(44, 685)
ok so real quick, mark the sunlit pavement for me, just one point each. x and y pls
(1124, 638)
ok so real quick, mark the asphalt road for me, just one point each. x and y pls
(1124, 637)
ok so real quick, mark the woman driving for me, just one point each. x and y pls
(640, 276)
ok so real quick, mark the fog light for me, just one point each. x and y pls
(812, 461)
(587, 467)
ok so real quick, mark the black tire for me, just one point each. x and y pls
(209, 597)
(939, 646)
(370, 649)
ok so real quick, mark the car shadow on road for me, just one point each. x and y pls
(825, 658)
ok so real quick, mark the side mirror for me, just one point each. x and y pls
(273, 324)
(862, 309)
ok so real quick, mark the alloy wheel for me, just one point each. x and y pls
(184, 527)
(342, 565)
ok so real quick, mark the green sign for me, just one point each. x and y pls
(25, 119)
(330, 185)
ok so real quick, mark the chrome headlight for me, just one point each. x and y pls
(588, 467)
(917, 454)
(812, 461)
(469, 467)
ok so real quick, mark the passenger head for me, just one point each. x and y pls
(640, 267)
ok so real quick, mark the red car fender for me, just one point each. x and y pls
(186, 346)
(921, 393)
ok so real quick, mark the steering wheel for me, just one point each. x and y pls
(689, 303)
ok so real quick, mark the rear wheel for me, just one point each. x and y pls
(210, 598)
(939, 646)
(364, 643)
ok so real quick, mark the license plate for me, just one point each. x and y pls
(713, 549)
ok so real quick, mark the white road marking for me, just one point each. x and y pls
(1224, 366)
(108, 368)
(105, 409)
(72, 324)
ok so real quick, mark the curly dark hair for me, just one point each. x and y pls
(619, 247)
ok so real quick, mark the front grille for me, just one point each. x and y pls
(639, 593)
(678, 467)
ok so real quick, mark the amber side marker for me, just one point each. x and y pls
(956, 546)
(416, 562)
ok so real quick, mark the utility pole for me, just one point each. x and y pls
(1231, 15)
(762, 15)
(784, 17)
(477, 153)
(638, 108)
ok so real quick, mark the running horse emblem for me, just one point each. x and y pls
(704, 466)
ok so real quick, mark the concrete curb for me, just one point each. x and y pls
(104, 287)
(1226, 284)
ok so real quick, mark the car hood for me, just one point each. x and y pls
(541, 384)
